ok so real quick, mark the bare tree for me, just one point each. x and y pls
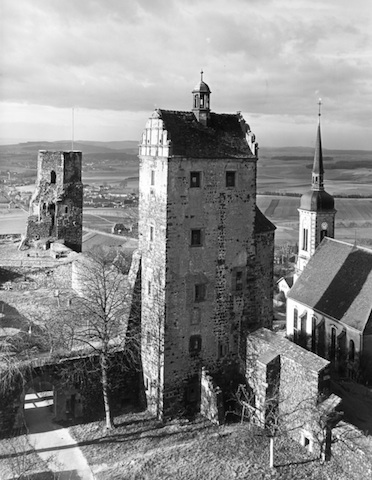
(102, 318)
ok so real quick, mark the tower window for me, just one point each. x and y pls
(53, 176)
(305, 239)
(195, 344)
(223, 349)
(323, 233)
(239, 281)
(152, 178)
(196, 237)
(200, 292)
(149, 288)
(195, 179)
(151, 233)
(230, 179)
(66, 209)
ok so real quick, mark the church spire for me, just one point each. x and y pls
(318, 170)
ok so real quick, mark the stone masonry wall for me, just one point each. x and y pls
(152, 246)
(301, 378)
(225, 217)
(265, 278)
(56, 205)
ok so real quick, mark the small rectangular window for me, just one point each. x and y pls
(149, 288)
(223, 349)
(239, 281)
(200, 292)
(230, 179)
(195, 344)
(151, 233)
(152, 178)
(196, 237)
(195, 179)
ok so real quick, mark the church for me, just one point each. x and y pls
(329, 307)
(206, 249)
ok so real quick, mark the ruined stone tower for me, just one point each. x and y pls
(317, 211)
(56, 206)
(207, 251)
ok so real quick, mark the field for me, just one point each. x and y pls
(353, 218)
(281, 170)
(289, 170)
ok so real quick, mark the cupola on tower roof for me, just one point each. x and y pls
(201, 101)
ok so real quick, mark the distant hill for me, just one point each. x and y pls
(85, 147)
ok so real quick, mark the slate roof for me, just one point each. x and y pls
(224, 137)
(337, 282)
(263, 224)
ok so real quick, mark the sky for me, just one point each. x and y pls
(112, 62)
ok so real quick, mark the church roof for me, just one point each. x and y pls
(223, 137)
(318, 154)
(337, 282)
(317, 200)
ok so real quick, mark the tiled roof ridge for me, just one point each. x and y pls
(189, 112)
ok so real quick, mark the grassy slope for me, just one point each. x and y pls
(143, 448)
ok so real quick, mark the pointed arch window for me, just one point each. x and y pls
(332, 349)
(295, 325)
(351, 350)
(313, 334)
(53, 176)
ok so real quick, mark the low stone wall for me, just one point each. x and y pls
(352, 451)
(211, 401)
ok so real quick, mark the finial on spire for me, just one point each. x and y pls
(320, 106)
(201, 75)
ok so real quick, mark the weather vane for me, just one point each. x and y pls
(201, 75)
(320, 105)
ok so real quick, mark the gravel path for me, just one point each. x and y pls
(55, 445)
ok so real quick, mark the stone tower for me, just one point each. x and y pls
(56, 206)
(207, 251)
(317, 211)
